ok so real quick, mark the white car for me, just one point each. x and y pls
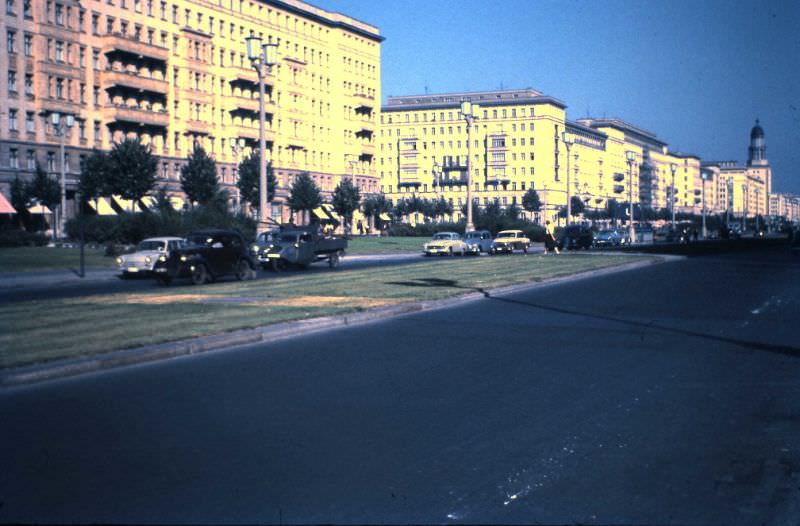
(148, 251)
(445, 244)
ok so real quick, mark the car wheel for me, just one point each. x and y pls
(333, 262)
(524, 249)
(450, 252)
(199, 274)
(242, 270)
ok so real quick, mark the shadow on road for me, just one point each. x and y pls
(785, 350)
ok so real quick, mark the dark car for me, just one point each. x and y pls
(207, 255)
(575, 237)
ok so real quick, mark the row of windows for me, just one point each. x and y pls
(502, 113)
(411, 132)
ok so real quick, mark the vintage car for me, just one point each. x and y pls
(611, 238)
(508, 241)
(575, 237)
(264, 241)
(206, 256)
(299, 247)
(144, 258)
(478, 241)
(445, 244)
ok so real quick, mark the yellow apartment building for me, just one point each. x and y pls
(517, 144)
(175, 73)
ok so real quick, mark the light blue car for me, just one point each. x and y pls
(478, 241)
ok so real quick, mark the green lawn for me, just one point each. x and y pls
(38, 331)
(385, 245)
(34, 259)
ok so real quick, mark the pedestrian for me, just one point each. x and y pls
(549, 238)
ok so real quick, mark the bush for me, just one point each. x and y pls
(22, 238)
(423, 229)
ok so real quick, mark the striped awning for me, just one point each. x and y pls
(358, 215)
(126, 205)
(384, 216)
(320, 213)
(147, 202)
(39, 209)
(176, 202)
(5, 206)
(102, 206)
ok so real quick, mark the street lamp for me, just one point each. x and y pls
(745, 208)
(352, 159)
(631, 156)
(468, 112)
(704, 176)
(672, 167)
(237, 146)
(262, 57)
(61, 128)
(568, 140)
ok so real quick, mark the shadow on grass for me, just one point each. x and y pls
(786, 350)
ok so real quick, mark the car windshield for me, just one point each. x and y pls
(443, 236)
(507, 233)
(266, 237)
(200, 240)
(149, 245)
(289, 238)
(473, 235)
(606, 233)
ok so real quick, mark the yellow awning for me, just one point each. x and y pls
(39, 209)
(384, 216)
(331, 212)
(358, 216)
(125, 204)
(147, 202)
(320, 213)
(102, 207)
(176, 202)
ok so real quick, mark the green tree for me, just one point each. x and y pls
(20, 200)
(46, 191)
(249, 177)
(443, 208)
(512, 212)
(531, 201)
(400, 209)
(375, 205)
(131, 169)
(304, 194)
(199, 177)
(94, 177)
(346, 199)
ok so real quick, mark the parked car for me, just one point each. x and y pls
(301, 247)
(795, 243)
(206, 256)
(142, 261)
(575, 237)
(445, 243)
(610, 238)
(478, 241)
(264, 241)
(508, 241)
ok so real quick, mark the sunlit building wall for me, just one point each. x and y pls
(175, 74)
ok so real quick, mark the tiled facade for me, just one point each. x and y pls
(175, 73)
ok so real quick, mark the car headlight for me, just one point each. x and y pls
(148, 260)
(162, 258)
(183, 258)
(255, 248)
(120, 261)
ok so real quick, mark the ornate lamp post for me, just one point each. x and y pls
(631, 156)
(61, 127)
(704, 176)
(672, 168)
(262, 57)
(468, 112)
(237, 146)
(568, 140)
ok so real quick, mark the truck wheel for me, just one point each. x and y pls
(524, 249)
(199, 274)
(242, 270)
(333, 261)
(278, 265)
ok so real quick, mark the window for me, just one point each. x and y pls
(31, 160)
(96, 96)
(82, 93)
(96, 131)
(59, 15)
(28, 45)
(12, 81)
(29, 85)
(51, 161)
(30, 124)
(96, 58)
(95, 24)
(82, 130)
(27, 10)
(11, 41)
(109, 24)
(13, 158)
(81, 56)
(59, 88)
(59, 51)
(9, 7)
(12, 120)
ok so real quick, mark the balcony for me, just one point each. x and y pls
(243, 104)
(296, 143)
(250, 133)
(247, 78)
(60, 106)
(197, 127)
(139, 116)
(618, 177)
(125, 45)
(367, 149)
(453, 181)
(364, 103)
(365, 128)
(618, 188)
(134, 81)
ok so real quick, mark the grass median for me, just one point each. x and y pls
(39, 331)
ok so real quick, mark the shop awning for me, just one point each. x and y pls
(39, 209)
(384, 216)
(320, 213)
(331, 212)
(5, 206)
(176, 202)
(102, 207)
(126, 205)
(147, 202)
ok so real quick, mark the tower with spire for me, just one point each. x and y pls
(757, 152)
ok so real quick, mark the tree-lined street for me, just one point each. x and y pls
(666, 394)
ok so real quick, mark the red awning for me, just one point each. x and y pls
(5, 206)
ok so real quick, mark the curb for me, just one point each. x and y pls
(280, 331)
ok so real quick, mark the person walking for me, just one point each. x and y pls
(550, 238)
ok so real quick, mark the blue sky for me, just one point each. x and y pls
(697, 73)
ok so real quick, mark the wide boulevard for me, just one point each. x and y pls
(666, 394)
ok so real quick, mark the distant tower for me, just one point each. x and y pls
(757, 153)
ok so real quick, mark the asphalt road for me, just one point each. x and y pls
(668, 394)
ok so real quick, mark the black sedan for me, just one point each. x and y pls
(207, 255)
(575, 237)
